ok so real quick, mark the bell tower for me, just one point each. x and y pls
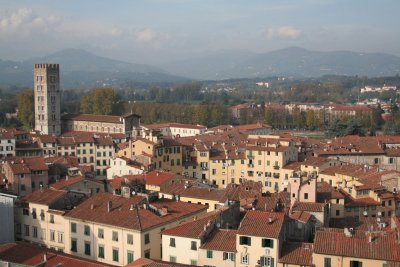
(47, 98)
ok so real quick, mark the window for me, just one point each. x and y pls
(60, 237)
(51, 218)
(34, 232)
(34, 213)
(115, 236)
(129, 239)
(101, 252)
(25, 211)
(42, 215)
(193, 245)
(355, 264)
(74, 245)
(129, 257)
(87, 248)
(115, 254)
(73, 227)
(146, 238)
(52, 235)
(172, 259)
(209, 254)
(147, 254)
(228, 256)
(305, 195)
(26, 232)
(172, 242)
(100, 233)
(86, 230)
(327, 262)
(244, 259)
(267, 261)
(43, 234)
(267, 243)
(337, 212)
(193, 262)
(245, 240)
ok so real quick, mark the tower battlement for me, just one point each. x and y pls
(47, 66)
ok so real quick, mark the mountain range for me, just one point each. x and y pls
(80, 68)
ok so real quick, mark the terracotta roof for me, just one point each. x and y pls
(121, 215)
(45, 197)
(63, 183)
(175, 125)
(91, 117)
(193, 228)
(157, 177)
(254, 126)
(308, 206)
(184, 189)
(297, 253)
(47, 138)
(221, 240)
(302, 216)
(384, 246)
(256, 223)
(26, 165)
(31, 255)
(144, 262)
(315, 161)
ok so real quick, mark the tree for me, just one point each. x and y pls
(268, 117)
(101, 101)
(376, 118)
(26, 108)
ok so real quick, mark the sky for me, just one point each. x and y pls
(157, 31)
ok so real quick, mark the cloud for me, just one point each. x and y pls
(24, 20)
(283, 32)
(145, 35)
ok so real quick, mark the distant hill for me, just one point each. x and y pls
(81, 68)
(293, 61)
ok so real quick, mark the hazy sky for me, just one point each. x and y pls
(152, 31)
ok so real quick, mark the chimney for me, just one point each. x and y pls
(45, 257)
(145, 206)
(132, 207)
(92, 206)
(109, 206)
(269, 219)
(66, 177)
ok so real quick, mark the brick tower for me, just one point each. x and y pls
(47, 98)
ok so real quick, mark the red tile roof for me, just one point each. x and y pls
(91, 117)
(384, 246)
(221, 240)
(63, 183)
(122, 215)
(193, 228)
(254, 126)
(256, 223)
(302, 216)
(308, 206)
(157, 178)
(144, 262)
(45, 197)
(297, 253)
(31, 255)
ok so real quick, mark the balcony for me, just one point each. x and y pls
(250, 165)
(276, 175)
(276, 167)
(250, 156)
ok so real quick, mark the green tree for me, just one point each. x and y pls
(101, 101)
(268, 117)
(26, 108)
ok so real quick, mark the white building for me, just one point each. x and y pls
(7, 144)
(120, 166)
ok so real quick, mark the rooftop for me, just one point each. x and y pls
(262, 223)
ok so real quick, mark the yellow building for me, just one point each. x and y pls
(260, 238)
(337, 248)
(118, 230)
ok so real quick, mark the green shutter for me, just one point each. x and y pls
(264, 243)
(272, 262)
(241, 240)
(249, 241)
(271, 243)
